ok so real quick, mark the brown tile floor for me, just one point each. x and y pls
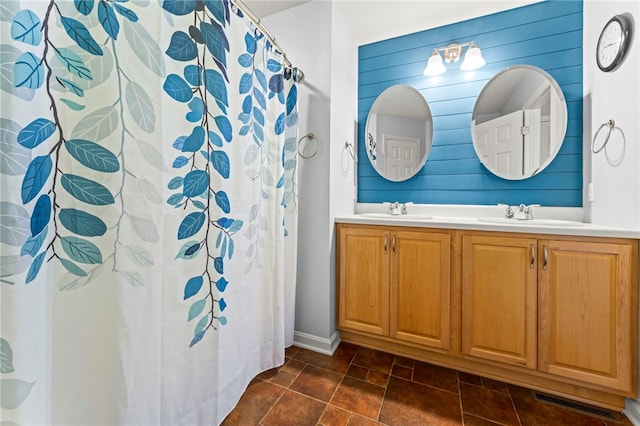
(359, 386)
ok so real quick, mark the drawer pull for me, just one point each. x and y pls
(385, 243)
(533, 256)
(545, 258)
(393, 245)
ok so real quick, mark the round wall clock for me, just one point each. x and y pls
(613, 43)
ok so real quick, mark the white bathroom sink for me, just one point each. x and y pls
(397, 216)
(531, 222)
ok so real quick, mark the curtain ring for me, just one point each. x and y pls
(311, 137)
(610, 125)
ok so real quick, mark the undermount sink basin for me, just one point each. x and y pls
(531, 222)
(397, 216)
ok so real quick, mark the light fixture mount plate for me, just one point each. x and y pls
(452, 53)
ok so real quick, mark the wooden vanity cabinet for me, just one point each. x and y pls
(363, 280)
(394, 282)
(420, 287)
(499, 299)
(587, 308)
(566, 307)
(553, 313)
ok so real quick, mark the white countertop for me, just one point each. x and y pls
(549, 220)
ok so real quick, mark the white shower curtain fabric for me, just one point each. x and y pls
(147, 210)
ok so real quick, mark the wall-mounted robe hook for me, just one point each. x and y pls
(307, 150)
(610, 125)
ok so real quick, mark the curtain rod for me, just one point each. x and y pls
(297, 73)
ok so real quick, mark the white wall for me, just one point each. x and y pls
(316, 39)
(344, 115)
(615, 171)
(614, 95)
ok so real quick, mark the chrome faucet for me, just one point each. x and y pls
(397, 208)
(522, 212)
(508, 213)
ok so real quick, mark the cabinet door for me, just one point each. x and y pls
(499, 299)
(363, 280)
(420, 296)
(585, 307)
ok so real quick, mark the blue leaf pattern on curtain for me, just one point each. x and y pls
(131, 161)
(204, 87)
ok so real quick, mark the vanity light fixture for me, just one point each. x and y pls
(472, 59)
(435, 65)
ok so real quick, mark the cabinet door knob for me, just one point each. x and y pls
(393, 244)
(533, 256)
(385, 243)
(545, 258)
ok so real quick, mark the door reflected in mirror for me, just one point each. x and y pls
(519, 122)
(399, 133)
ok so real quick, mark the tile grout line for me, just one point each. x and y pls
(328, 403)
(386, 388)
(384, 395)
(274, 402)
(460, 398)
(482, 386)
(285, 388)
(513, 404)
(336, 389)
(369, 370)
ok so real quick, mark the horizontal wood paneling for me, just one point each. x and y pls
(547, 35)
(515, 18)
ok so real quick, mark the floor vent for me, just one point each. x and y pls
(579, 407)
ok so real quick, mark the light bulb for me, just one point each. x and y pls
(472, 59)
(434, 65)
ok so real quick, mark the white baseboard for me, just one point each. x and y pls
(316, 343)
(632, 410)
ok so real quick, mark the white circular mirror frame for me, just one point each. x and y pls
(519, 122)
(399, 133)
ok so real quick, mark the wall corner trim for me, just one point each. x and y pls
(632, 410)
(317, 343)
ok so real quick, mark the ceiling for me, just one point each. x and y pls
(375, 20)
(262, 8)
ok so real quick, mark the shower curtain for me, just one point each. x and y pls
(147, 210)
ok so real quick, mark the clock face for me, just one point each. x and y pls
(612, 44)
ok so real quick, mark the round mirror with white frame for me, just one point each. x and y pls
(399, 133)
(519, 122)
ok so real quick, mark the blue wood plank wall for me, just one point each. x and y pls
(547, 35)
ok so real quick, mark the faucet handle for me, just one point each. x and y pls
(522, 212)
(404, 206)
(509, 210)
(393, 208)
(528, 210)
